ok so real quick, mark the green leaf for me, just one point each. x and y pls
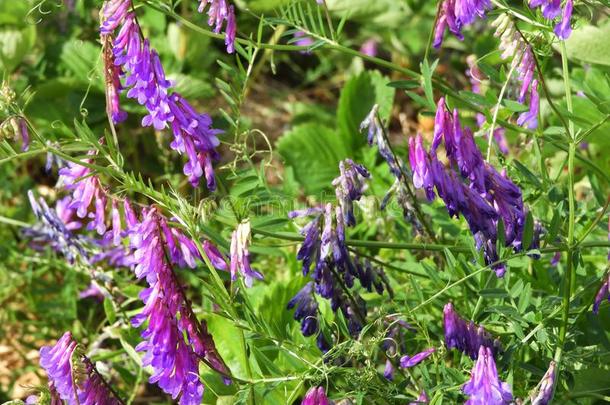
(308, 147)
(528, 231)
(15, 44)
(358, 97)
(109, 310)
(587, 44)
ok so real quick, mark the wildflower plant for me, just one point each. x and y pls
(304, 201)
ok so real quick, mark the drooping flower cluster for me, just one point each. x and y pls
(131, 56)
(466, 336)
(485, 386)
(240, 255)
(324, 254)
(544, 391)
(551, 10)
(316, 396)
(476, 81)
(220, 13)
(604, 290)
(156, 245)
(524, 64)
(469, 186)
(72, 376)
(454, 14)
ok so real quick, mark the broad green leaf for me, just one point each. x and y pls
(588, 44)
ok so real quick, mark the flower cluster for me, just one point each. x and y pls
(466, 336)
(544, 392)
(454, 14)
(156, 245)
(324, 250)
(132, 56)
(551, 10)
(524, 63)
(485, 386)
(221, 13)
(469, 186)
(72, 376)
(240, 255)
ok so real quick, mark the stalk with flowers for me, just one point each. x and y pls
(382, 203)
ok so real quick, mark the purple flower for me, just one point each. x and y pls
(454, 14)
(388, 371)
(59, 362)
(55, 229)
(421, 399)
(302, 39)
(529, 119)
(603, 292)
(418, 157)
(216, 258)
(306, 309)
(469, 186)
(563, 29)
(550, 8)
(112, 74)
(466, 336)
(174, 361)
(412, 361)
(219, 13)
(369, 47)
(485, 387)
(315, 396)
(349, 187)
(240, 255)
(544, 391)
(93, 291)
(145, 81)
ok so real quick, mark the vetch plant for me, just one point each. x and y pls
(391, 214)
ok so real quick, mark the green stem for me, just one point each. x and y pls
(570, 270)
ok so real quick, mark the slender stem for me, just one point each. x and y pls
(570, 271)
(490, 135)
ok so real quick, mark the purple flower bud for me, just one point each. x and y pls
(369, 47)
(529, 119)
(603, 292)
(216, 258)
(466, 336)
(315, 396)
(418, 157)
(411, 361)
(544, 391)
(240, 255)
(453, 14)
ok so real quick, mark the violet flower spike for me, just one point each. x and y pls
(388, 371)
(485, 387)
(57, 362)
